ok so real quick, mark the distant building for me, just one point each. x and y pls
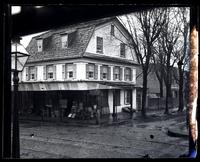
(73, 68)
(154, 101)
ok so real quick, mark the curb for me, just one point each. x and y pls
(173, 133)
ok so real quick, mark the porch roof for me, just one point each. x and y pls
(90, 85)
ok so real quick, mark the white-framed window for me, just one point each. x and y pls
(104, 72)
(39, 45)
(116, 73)
(70, 71)
(50, 72)
(32, 72)
(64, 41)
(127, 74)
(90, 71)
(99, 45)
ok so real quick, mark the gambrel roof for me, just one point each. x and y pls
(80, 33)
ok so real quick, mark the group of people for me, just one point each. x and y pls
(80, 112)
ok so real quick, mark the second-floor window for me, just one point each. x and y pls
(116, 73)
(90, 71)
(64, 41)
(127, 74)
(50, 72)
(32, 74)
(105, 72)
(71, 71)
(122, 50)
(99, 45)
(39, 45)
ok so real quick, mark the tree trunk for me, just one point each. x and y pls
(144, 92)
(180, 109)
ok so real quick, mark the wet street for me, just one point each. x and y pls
(133, 139)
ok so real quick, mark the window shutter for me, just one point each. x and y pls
(63, 71)
(134, 75)
(74, 71)
(87, 71)
(113, 73)
(44, 72)
(125, 74)
(109, 73)
(36, 69)
(131, 75)
(66, 72)
(101, 72)
(27, 73)
(95, 71)
(120, 73)
(54, 72)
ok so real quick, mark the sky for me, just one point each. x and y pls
(26, 39)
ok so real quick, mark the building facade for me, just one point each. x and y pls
(74, 70)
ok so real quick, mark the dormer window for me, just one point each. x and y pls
(39, 45)
(99, 45)
(112, 30)
(64, 41)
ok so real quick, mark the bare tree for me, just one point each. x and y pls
(182, 55)
(169, 38)
(149, 26)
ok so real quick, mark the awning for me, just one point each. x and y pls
(62, 86)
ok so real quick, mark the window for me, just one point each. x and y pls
(105, 72)
(71, 71)
(99, 45)
(90, 71)
(122, 49)
(127, 74)
(127, 97)
(116, 73)
(112, 30)
(64, 41)
(32, 71)
(39, 45)
(50, 72)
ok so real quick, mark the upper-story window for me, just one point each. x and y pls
(105, 72)
(90, 71)
(71, 71)
(122, 49)
(50, 72)
(39, 45)
(116, 73)
(112, 30)
(32, 71)
(99, 45)
(64, 41)
(127, 74)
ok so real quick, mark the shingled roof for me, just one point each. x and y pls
(53, 51)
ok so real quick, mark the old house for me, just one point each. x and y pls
(76, 69)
